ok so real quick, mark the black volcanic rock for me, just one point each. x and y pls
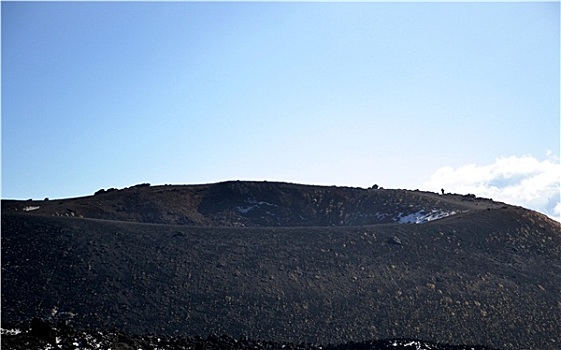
(489, 277)
(69, 338)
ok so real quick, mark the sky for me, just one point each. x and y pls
(461, 96)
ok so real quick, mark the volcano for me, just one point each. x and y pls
(284, 263)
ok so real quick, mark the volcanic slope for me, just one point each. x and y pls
(489, 277)
(253, 204)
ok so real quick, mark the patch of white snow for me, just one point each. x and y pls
(421, 217)
(12, 331)
(253, 204)
(30, 208)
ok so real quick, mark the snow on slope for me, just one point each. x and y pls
(422, 217)
(253, 204)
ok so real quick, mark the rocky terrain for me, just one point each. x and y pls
(253, 204)
(290, 264)
(43, 335)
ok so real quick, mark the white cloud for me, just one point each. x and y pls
(524, 181)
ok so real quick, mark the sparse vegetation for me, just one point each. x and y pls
(141, 185)
(98, 192)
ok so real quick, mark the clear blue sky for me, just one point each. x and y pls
(110, 94)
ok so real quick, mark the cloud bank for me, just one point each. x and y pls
(524, 181)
